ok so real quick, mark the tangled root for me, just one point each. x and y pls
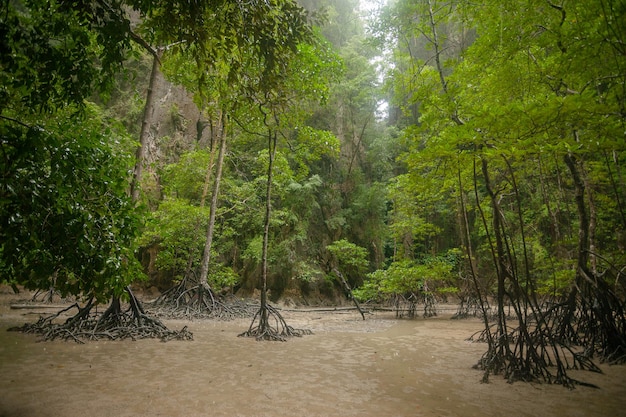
(272, 326)
(113, 324)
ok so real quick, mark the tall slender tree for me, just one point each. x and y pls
(281, 109)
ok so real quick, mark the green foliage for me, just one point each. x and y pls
(522, 98)
(431, 275)
(559, 284)
(254, 250)
(229, 50)
(185, 179)
(309, 145)
(66, 220)
(306, 272)
(54, 53)
(124, 102)
(222, 277)
(350, 259)
(318, 67)
(177, 227)
(57, 53)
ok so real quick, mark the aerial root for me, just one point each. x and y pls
(48, 296)
(469, 307)
(272, 326)
(113, 324)
(531, 354)
(198, 302)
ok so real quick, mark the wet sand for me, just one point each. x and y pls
(349, 367)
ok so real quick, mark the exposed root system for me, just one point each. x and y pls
(408, 304)
(199, 302)
(268, 324)
(532, 352)
(49, 296)
(469, 307)
(114, 323)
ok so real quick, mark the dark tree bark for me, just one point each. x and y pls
(525, 346)
(473, 296)
(117, 322)
(594, 316)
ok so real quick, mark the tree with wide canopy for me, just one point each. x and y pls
(77, 231)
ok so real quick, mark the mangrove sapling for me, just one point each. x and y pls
(430, 304)
(405, 304)
(193, 297)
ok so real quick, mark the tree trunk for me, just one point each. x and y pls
(146, 123)
(602, 323)
(434, 39)
(266, 228)
(555, 233)
(483, 303)
(583, 218)
(206, 256)
(264, 330)
(593, 221)
(205, 191)
(499, 257)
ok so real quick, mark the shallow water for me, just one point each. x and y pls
(348, 367)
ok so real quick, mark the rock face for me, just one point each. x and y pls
(176, 121)
(177, 126)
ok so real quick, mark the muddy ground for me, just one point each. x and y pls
(379, 367)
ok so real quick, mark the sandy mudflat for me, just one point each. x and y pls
(349, 367)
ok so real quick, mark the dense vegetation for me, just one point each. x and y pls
(68, 220)
(515, 138)
(431, 150)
